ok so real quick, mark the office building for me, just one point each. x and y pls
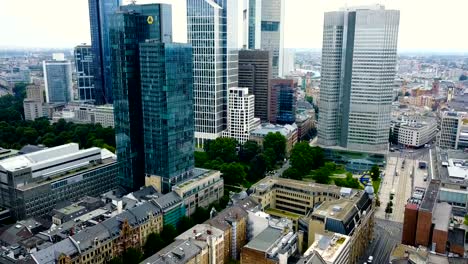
(282, 101)
(453, 132)
(33, 104)
(241, 120)
(136, 23)
(212, 28)
(38, 181)
(359, 57)
(289, 60)
(255, 74)
(85, 73)
(167, 103)
(100, 12)
(288, 131)
(334, 248)
(172, 207)
(58, 79)
(104, 115)
(414, 133)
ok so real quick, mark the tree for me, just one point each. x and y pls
(310, 99)
(322, 175)
(375, 172)
(168, 234)
(248, 151)
(224, 148)
(277, 142)
(258, 167)
(233, 173)
(200, 215)
(292, 173)
(270, 161)
(305, 158)
(184, 224)
(153, 244)
(132, 256)
(200, 159)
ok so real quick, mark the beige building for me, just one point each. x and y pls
(288, 131)
(203, 234)
(333, 249)
(181, 251)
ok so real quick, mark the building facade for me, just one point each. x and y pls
(453, 132)
(85, 73)
(282, 101)
(288, 131)
(255, 73)
(167, 103)
(104, 115)
(100, 12)
(58, 80)
(358, 69)
(241, 120)
(212, 29)
(416, 134)
(136, 23)
(39, 180)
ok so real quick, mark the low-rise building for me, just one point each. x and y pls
(334, 249)
(172, 206)
(181, 251)
(288, 131)
(38, 181)
(305, 123)
(204, 234)
(104, 115)
(415, 134)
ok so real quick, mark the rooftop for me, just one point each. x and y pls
(430, 197)
(265, 239)
(329, 247)
(441, 216)
(180, 251)
(201, 232)
(285, 130)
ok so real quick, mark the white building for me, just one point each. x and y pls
(58, 79)
(416, 134)
(453, 132)
(289, 59)
(241, 110)
(333, 249)
(104, 115)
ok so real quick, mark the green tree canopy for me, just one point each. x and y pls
(224, 148)
(168, 234)
(304, 158)
(375, 172)
(322, 175)
(277, 142)
(153, 244)
(248, 151)
(292, 173)
(233, 173)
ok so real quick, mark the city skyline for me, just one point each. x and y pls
(41, 29)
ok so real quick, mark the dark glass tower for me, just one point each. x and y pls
(168, 119)
(99, 15)
(283, 101)
(130, 26)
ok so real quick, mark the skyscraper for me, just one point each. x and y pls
(212, 28)
(358, 68)
(84, 73)
(130, 26)
(99, 16)
(255, 74)
(241, 120)
(58, 79)
(167, 101)
(282, 101)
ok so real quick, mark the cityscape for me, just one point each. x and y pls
(224, 132)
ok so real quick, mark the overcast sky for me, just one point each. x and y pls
(439, 25)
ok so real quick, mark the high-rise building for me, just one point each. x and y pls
(289, 59)
(358, 69)
(241, 120)
(84, 73)
(58, 79)
(453, 132)
(282, 101)
(212, 28)
(253, 24)
(255, 74)
(99, 19)
(167, 103)
(130, 26)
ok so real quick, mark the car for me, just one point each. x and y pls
(370, 259)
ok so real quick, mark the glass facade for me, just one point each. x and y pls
(283, 101)
(84, 73)
(167, 101)
(272, 18)
(129, 27)
(58, 81)
(99, 16)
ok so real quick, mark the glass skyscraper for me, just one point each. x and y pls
(212, 28)
(283, 101)
(99, 16)
(359, 57)
(84, 73)
(168, 121)
(58, 80)
(130, 26)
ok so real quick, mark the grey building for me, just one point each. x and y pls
(85, 73)
(32, 184)
(58, 80)
(255, 74)
(212, 31)
(358, 69)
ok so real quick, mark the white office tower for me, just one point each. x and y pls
(241, 110)
(289, 58)
(215, 33)
(359, 57)
(58, 79)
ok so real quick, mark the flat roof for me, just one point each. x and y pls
(441, 216)
(263, 241)
(430, 197)
(329, 247)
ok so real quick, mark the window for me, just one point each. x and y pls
(270, 26)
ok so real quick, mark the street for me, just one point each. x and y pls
(386, 235)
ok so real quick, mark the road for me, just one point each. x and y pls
(386, 235)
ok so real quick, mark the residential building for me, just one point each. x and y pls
(334, 249)
(288, 131)
(272, 33)
(100, 12)
(214, 76)
(85, 73)
(203, 189)
(38, 181)
(241, 120)
(453, 130)
(136, 23)
(356, 91)
(255, 74)
(181, 251)
(272, 245)
(282, 101)
(206, 234)
(58, 79)
(167, 108)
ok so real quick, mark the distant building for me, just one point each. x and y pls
(33, 104)
(288, 131)
(104, 115)
(241, 120)
(58, 80)
(282, 101)
(305, 123)
(255, 74)
(85, 73)
(453, 132)
(39, 180)
(413, 133)
(289, 58)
